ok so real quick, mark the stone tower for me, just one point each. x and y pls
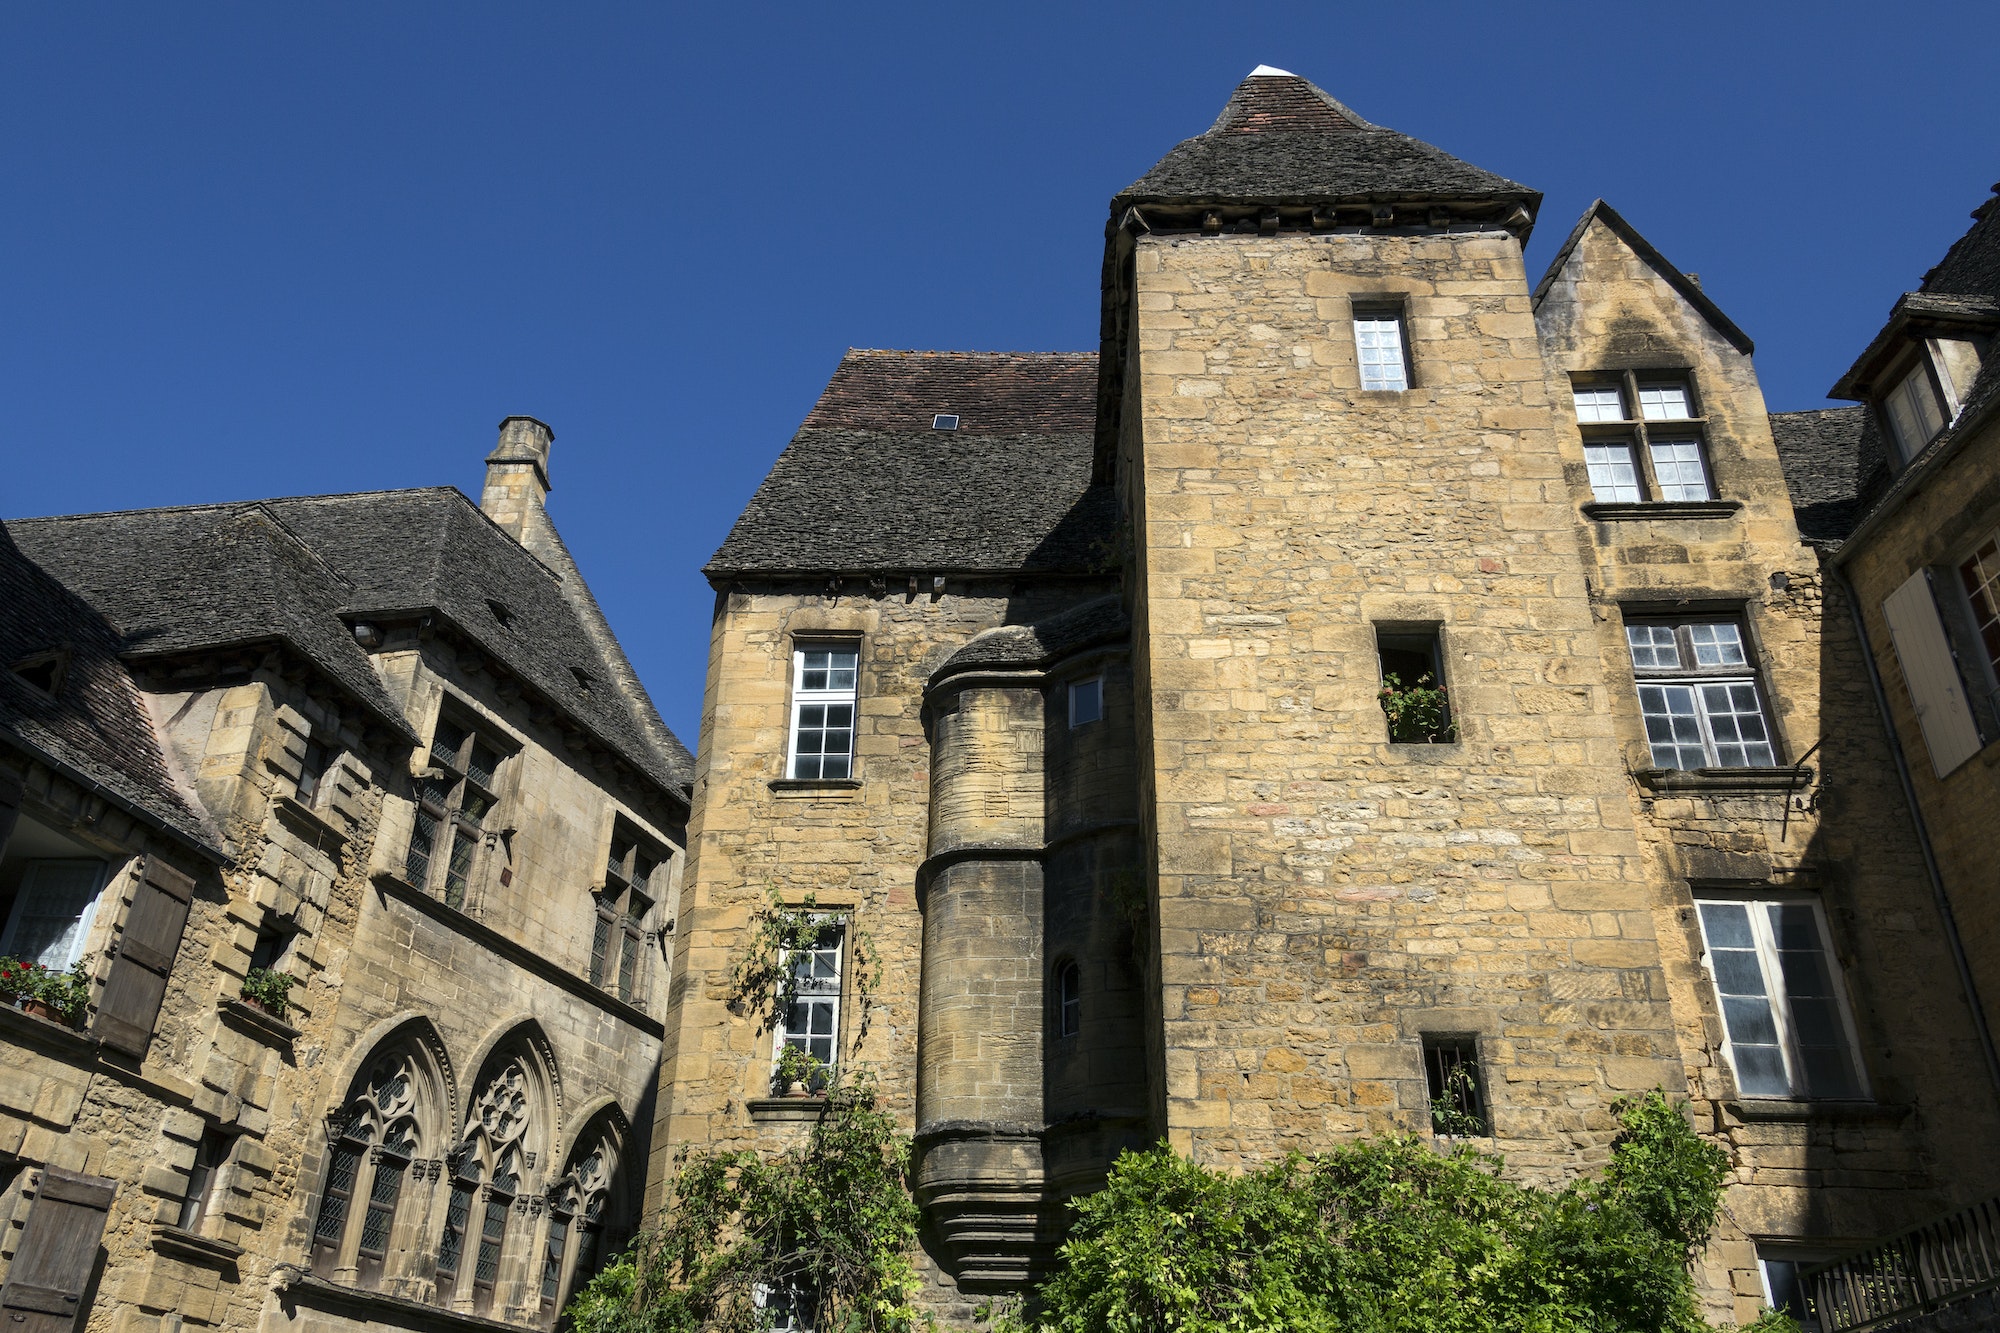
(1338, 441)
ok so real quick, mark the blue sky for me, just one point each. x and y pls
(255, 249)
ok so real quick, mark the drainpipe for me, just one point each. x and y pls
(1938, 894)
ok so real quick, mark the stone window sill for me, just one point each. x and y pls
(838, 789)
(1604, 511)
(18, 1024)
(1715, 781)
(386, 1310)
(311, 824)
(1793, 1109)
(170, 1239)
(262, 1021)
(765, 1110)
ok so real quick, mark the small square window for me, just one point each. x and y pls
(944, 421)
(1086, 702)
(1378, 344)
(1599, 402)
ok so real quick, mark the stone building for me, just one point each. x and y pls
(1063, 681)
(383, 745)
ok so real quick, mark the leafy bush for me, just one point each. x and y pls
(68, 993)
(1418, 714)
(268, 989)
(826, 1228)
(1388, 1236)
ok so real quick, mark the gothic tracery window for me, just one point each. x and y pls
(374, 1139)
(577, 1206)
(486, 1172)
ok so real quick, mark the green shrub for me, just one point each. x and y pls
(1389, 1236)
(828, 1225)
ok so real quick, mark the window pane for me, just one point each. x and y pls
(417, 860)
(1717, 645)
(52, 912)
(841, 670)
(1599, 403)
(1664, 402)
(1981, 576)
(1737, 722)
(1086, 702)
(457, 868)
(1614, 478)
(1727, 926)
(1379, 346)
(552, 1256)
(381, 1214)
(1914, 414)
(1672, 727)
(446, 742)
(493, 1234)
(484, 761)
(1653, 646)
(339, 1187)
(1677, 463)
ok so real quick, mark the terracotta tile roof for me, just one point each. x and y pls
(991, 393)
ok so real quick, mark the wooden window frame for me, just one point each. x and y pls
(1640, 433)
(1691, 674)
(1918, 363)
(1776, 991)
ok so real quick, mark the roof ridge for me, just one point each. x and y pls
(226, 504)
(936, 351)
(1272, 101)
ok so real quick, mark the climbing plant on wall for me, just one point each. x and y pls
(765, 980)
(818, 1236)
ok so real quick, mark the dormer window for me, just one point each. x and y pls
(1914, 411)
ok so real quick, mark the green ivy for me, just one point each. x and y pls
(828, 1225)
(1418, 714)
(763, 982)
(1389, 1236)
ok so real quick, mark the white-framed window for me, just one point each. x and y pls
(1979, 575)
(1698, 694)
(1654, 455)
(1378, 346)
(1914, 412)
(811, 1021)
(823, 684)
(1785, 1023)
(53, 907)
(1086, 701)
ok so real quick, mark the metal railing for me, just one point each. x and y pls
(1940, 1262)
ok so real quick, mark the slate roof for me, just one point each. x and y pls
(867, 486)
(96, 725)
(1965, 283)
(1280, 140)
(1101, 620)
(1822, 454)
(300, 570)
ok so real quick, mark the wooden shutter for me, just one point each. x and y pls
(138, 980)
(1931, 673)
(58, 1252)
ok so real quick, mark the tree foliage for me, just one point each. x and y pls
(1389, 1236)
(1380, 1236)
(826, 1228)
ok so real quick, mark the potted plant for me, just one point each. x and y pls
(1418, 714)
(799, 1073)
(266, 990)
(60, 997)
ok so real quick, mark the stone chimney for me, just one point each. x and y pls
(517, 475)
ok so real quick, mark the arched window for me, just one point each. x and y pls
(486, 1171)
(374, 1138)
(1069, 1000)
(574, 1241)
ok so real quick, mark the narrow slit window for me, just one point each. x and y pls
(209, 1156)
(1069, 1000)
(1452, 1078)
(823, 703)
(1378, 345)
